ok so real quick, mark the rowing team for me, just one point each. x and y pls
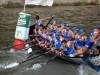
(71, 42)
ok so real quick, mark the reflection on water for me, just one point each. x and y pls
(82, 70)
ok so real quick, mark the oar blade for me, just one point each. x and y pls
(11, 65)
(29, 50)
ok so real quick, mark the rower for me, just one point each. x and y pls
(73, 36)
(91, 41)
(44, 36)
(39, 21)
(57, 42)
(67, 48)
(61, 29)
(67, 33)
(52, 26)
(80, 39)
(35, 34)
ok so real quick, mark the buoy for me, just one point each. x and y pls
(19, 44)
(22, 28)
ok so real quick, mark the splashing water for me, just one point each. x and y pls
(11, 50)
(36, 66)
(81, 70)
(11, 65)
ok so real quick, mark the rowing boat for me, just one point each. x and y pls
(92, 60)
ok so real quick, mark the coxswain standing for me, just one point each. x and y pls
(39, 21)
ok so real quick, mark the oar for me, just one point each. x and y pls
(49, 21)
(34, 57)
(16, 64)
(34, 53)
(52, 58)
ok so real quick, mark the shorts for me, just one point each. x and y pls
(89, 44)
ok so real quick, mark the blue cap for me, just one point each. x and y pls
(99, 26)
(62, 24)
(74, 28)
(81, 31)
(66, 25)
(53, 21)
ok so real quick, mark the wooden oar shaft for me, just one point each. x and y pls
(51, 59)
(49, 21)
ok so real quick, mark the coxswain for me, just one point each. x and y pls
(39, 21)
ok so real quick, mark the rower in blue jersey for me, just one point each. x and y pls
(80, 39)
(73, 36)
(52, 26)
(91, 41)
(35, 34)
(67, 48)
(39, 21)
(61, 29)
(44, 36)
(67, 33)
(56, 42)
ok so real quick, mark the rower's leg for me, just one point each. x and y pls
(96, 51)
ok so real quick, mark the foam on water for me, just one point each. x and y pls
(11, 50)
(35, 66)
(11, 65)
(82, 70)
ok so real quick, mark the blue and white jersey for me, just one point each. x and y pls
(91, 35)
(89, 44)
(38, 22)
(35, 31)
(57, 44)
(69, 50)
(51, 39)
(52, 29)
(79, 42)
(66, 35)
(43, 39)
(73, 37)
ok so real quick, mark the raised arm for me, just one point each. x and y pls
(47, 18)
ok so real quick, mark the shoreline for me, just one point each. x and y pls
(18, 5)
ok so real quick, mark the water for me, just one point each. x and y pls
(80, 16)
(9, 65)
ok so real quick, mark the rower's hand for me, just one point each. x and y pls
(59, 53)
(53, 16)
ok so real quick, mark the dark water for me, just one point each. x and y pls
(86, 17)
(33, 67)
